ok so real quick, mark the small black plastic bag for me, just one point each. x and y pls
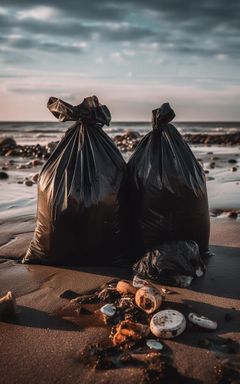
(171, 259)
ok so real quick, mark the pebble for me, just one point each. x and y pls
(28, 183)
(211, 165)
(3, 176)
(232, 215)
(233, 169)
(232, 161)
(36, 162)
(35, 178)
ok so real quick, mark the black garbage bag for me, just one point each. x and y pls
(169, 260)
(81, 192)
(167, 188)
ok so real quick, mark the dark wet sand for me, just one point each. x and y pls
(37, 347)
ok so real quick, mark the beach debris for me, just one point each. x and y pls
(138, 282)
(202, 321)
(212, 165)
(232, 215)
(167, 324)
(125, 288)
(35, 178)
(165, 291)
(3, 176)
(148, 298)
(108, 310)
(127, 331)
(28, 183)
(108, 295)
(184, 281)
(36, 162)
(199, 272)
(8, 305)
(154, 344)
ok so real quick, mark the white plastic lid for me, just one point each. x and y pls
(167, 323)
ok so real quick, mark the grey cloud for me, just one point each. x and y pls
(184, 27)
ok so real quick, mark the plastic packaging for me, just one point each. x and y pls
(81, 192)
(171, 260)
(167, 188)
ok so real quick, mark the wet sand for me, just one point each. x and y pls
(37, 347)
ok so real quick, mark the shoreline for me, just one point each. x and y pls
(125, 142)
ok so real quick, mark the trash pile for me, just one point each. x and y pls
(138, 319)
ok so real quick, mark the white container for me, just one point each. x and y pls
(167, 324)
(148, 298)
(202, 321)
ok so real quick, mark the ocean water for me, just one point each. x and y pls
(45, 132)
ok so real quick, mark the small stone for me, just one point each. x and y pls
(232, 161)
(212, 165)
(232, 215)
(35, 178)
(28, 183)
(3, 176)
(21, 166)
(36, 162)
(7, 142)
(233, 169)
(206, 171)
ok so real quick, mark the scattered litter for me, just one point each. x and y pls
(199, 272)
(125, 288)
(202, 321)
(108, 310)
(148, 298)
(8, 305)
(138, 282)
(108, 295)
(154, 344)
(167, 324)
(127, 331)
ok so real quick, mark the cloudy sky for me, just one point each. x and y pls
(133, 54)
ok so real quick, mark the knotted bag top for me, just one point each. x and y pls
(90, 111)
(162, 116)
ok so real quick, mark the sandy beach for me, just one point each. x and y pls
(39, 347)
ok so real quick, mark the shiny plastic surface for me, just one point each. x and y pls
(167, 188)
(81, 192)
